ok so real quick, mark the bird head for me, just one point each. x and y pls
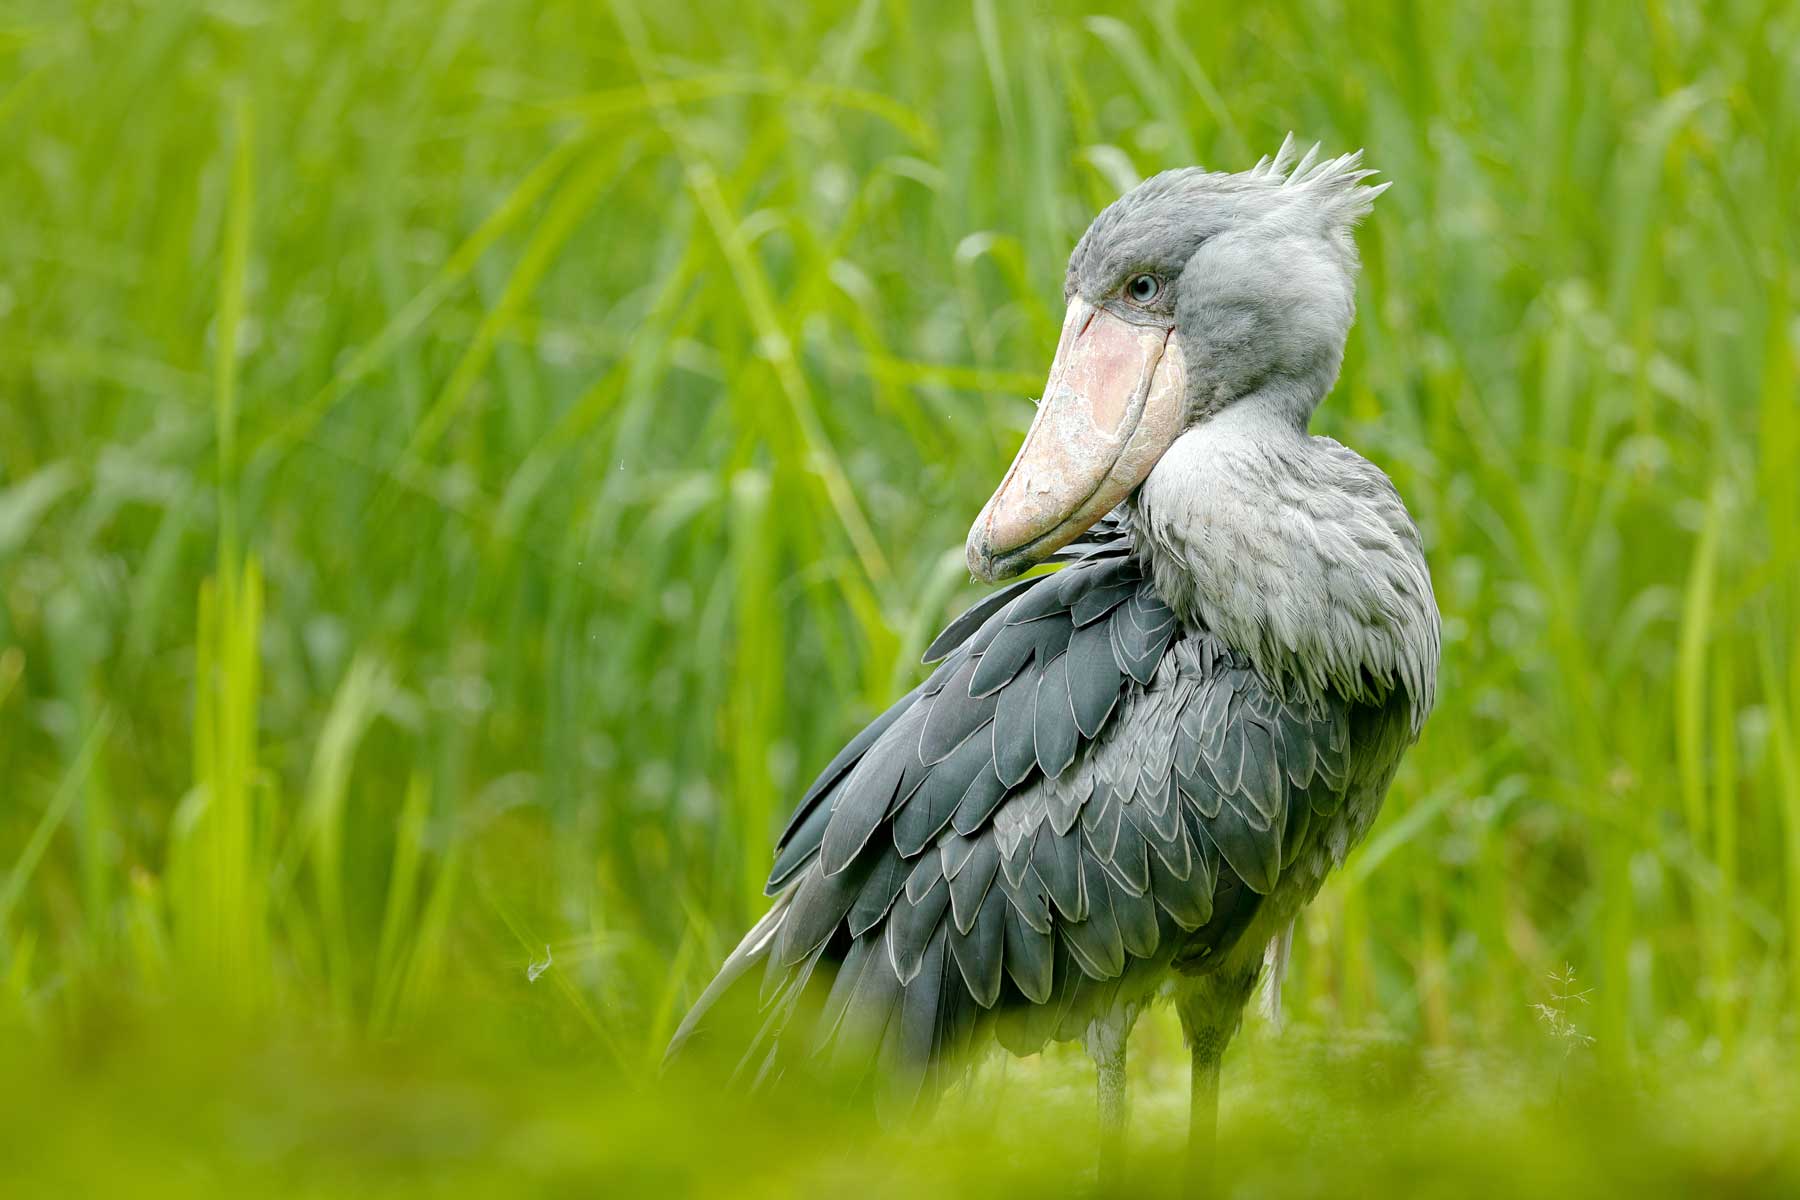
(1188, 293)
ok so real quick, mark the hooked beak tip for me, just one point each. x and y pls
(981, 561)
(991, 565)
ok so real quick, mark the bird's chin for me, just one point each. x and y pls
(1112, 406)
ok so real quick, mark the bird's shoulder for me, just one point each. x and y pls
(1356, 478)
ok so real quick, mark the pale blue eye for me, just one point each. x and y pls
(1143, 288)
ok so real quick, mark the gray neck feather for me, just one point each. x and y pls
(1295, 551)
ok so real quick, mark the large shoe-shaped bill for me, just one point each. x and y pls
(1112, 406)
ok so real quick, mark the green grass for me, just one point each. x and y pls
(464, 465)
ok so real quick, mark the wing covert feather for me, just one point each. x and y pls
(1083, 789)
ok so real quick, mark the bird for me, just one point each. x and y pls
(1125, 777)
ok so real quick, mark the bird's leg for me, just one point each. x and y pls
(1203, 1112)
(1114, 1113)
(1211, 1007)
(1106, 1040)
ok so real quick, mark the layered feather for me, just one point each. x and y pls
(1082, 791)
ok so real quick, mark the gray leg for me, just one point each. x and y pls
(1211, 1007)
(1203, 1114)
(1106, 1040)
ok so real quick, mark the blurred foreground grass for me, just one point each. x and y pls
(1305, 1115)
(463, 466)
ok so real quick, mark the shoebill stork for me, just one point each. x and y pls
(1125, 777)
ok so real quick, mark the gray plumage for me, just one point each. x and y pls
(1138, 768)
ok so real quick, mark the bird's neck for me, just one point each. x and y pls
(1294, 551)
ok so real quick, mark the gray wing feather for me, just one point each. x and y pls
(1130, 860)
(885, 881)
(1054, 734)
(1135, 913)
(983, 795)
(1082, 790)
(1030, 957)
(960, 630)
(906, 1050)
(1094, 678)
(929, 809)
(978, 952)
(953, 713)
(1096, 941)
(1015, 745)
(909, 929)
(969, 886)
(867, 792)
(1057, 861)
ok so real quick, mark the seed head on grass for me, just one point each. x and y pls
(1556, 1012)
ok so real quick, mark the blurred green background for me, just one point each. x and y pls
(464, 465)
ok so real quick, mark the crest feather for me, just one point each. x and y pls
(1334, 185)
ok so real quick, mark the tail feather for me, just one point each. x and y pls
(904, 1038)
(906, 1050)
(750, 952)
(780, 1010)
